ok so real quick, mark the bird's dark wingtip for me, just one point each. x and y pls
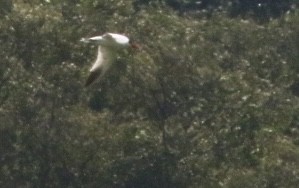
(91, 78)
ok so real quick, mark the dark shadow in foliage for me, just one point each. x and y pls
(98, 100)
(5, 7)
(192, 5)
(153, 171)
(293, 130)
(139, 4)
(295, 88)
(262, 10)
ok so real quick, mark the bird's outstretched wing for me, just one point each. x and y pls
(100, 66)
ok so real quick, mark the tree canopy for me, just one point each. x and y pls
(211, 100)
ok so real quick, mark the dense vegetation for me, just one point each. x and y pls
(211, 100)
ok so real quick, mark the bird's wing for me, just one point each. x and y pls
(96, 38)
(100, 66)
(107, 36)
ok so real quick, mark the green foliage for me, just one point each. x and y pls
(207, 102)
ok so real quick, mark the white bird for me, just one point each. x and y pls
(109, 44)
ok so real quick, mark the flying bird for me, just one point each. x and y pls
(109, 44)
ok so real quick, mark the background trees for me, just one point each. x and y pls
(210, 101)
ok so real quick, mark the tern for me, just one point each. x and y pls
(109, 45)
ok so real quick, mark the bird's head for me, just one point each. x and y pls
(134, 45)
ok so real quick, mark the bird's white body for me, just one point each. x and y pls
(108, 43)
